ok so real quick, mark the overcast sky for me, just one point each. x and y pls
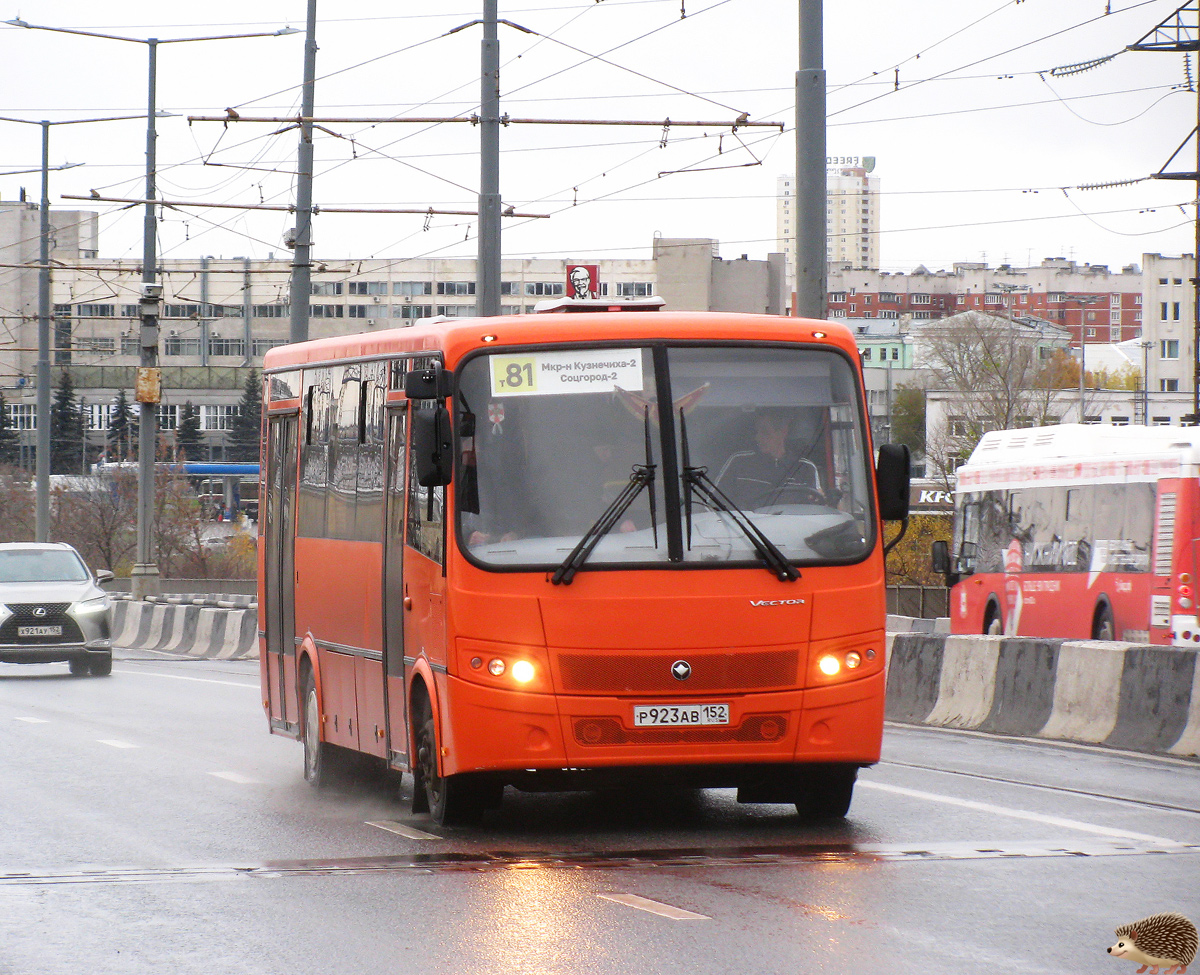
(982, 153)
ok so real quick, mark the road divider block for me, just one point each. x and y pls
(213, 631)
(1123, 695)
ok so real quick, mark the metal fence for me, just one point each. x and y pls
(922, 602)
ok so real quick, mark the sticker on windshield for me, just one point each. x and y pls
(556, 373)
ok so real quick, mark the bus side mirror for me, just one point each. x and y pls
(433, 446)
(891, 481)
(433, 383)
(939, 557)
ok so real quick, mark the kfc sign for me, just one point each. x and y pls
(583, 280)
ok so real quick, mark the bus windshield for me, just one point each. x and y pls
(769, 435)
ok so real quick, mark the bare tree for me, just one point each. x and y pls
(998, 374)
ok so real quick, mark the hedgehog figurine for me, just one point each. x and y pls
(1161, 941)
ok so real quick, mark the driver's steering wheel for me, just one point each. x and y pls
(800, 493)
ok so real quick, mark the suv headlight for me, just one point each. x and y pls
(5, 612)
(86, 607)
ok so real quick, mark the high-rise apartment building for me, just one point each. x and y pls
(851, 214)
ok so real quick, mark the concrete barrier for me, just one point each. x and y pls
(1123, 695)
(214, 632)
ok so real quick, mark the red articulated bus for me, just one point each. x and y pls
(1079, 532)
(491, 557)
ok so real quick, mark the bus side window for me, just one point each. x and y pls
(314, 460)
(425, 508)
(368, 524)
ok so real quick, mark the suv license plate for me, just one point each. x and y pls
(39, 631)
(680, 714)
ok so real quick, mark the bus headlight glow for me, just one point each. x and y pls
(522, 671)
(829, 665)
(853, 660)
(495, 666)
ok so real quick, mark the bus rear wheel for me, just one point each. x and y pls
(452, 800)
(1103, 627)
(827, 792)
(993, 622)
(325, 765)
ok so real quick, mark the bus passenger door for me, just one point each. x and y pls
(279, 571)
(393, 594)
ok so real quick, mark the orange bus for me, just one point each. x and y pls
(490, 558)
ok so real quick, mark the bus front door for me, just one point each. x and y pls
(393, 595)
(280, 572)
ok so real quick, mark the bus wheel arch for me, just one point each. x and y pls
(325, 764)
(450, 800)
(993, 617)
(1104, 625)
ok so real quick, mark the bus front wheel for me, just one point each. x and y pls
(452, 800)
(827, 792)
(1103, 627)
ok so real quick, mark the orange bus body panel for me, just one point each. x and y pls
(605, 643)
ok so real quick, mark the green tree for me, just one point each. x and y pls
(10, 446)
(908, 419)
(246, 431)
(122, 439)
(187, 435)
(66, 427)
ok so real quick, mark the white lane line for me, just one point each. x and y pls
(987, 807)
(112, 742)
(33, 720)
(234, 777)
(401, 830)
(198, 680)
(654, 907)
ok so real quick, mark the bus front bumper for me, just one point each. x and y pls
(489, 729)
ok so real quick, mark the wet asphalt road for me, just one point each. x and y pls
(149, 824)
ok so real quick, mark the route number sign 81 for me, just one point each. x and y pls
(514, 374)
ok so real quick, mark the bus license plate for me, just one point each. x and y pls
(39, 631)
(680, 714)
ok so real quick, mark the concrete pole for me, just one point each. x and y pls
(42, 475)
(811, 247)
(302, 258)
(247, 312)
(204, 310)
(487, 273)
(144, 575)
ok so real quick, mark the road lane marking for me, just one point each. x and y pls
(114, 743)
(401, 830)
(987, 807)
(198, 680)
(33, 720)
(234, 777)
(654, 907)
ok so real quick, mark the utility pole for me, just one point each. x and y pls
(144, 576)
(487, 272)
(811, 246)
(302, 258)
(42, 458)
(1180, 32)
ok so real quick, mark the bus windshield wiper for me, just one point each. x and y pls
(696, 479)
(641, 478)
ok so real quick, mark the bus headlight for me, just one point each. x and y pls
(495, 666)
(829, 665)
(522, 671)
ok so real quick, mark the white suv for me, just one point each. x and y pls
(53, 609)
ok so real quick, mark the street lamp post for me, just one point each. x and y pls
(42, 410)
(1083, 301)
(144, 581)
